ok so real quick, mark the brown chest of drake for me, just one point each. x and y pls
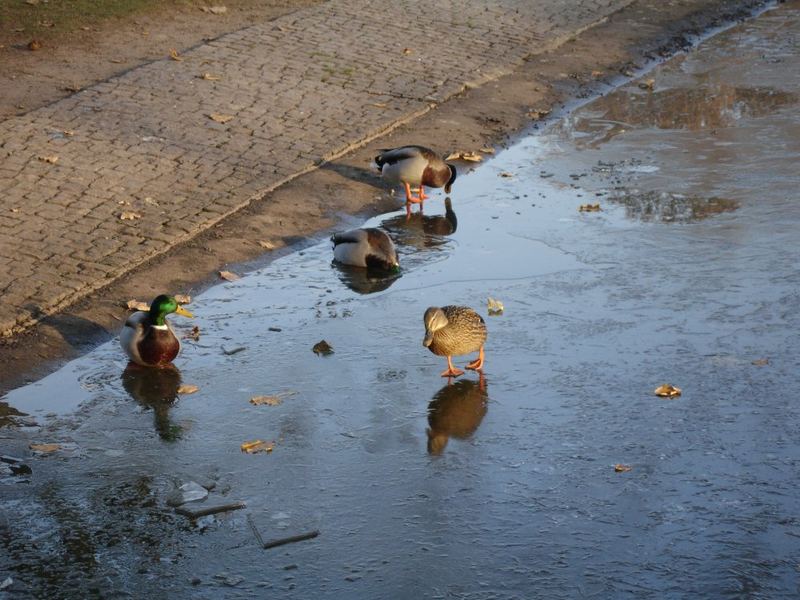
(158, 346)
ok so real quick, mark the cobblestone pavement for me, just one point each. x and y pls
(99, 182)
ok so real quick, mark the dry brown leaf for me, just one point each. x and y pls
(182, 299)
(268, 400)
(220, 118)
(597, 73)
(379, 104)
(137, 305)
(214, 10)
(194, 334)
(116, 61)
(620, 468)
(52, 159)
(538, 113)
(589, 207)
(256, 446)
(209, 77)
(45, 447)
(129, 215)
(173, 54)
(667, 391)
(227, 275)
(407, 51)
(487, 150)
(34, 45)
(68, 132)
(761, 362)
(647, 84)
(187, 388)
(495, 307)
(322, 348)
(72, 88)
(506, 174)
(267, 245)
(463, 155)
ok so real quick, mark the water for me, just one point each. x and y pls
(506, 488)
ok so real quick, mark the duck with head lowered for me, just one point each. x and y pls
(147, 338)
(418, 166)
(370, 247)
(453, 331)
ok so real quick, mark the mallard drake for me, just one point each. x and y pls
(417, 166)
(147, 337)
(371, 248)
(453, 331)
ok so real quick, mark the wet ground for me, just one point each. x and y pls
(495, 487)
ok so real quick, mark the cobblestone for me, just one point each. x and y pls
(300, 89)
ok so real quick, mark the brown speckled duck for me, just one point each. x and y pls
(418, 166)
(453, 331)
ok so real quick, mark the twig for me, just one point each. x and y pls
(209, 510)
(259, 539)
(288, 540)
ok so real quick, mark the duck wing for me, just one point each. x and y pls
(354, 236)
(395, 155)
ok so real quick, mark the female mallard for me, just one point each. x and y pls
(147, 337)
(371, 248)
(453, 331)
(417, 166)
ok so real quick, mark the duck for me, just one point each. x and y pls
(147, 338)
(370, 248)
(454, 331)
(418, 166)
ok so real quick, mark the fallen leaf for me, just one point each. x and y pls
(52, 159)
(45, 448)
(506, 174)
(267, 245)
(322, 348)
(256, 446)
(487, 150)
(538, 113)
(137, 305)
(228, 276)
(68, 132)
(116, 61)
(182, 299)
(194, 334)
(647, 84)
(597, 73)
(495, 307)
(129, 216)
(589, 207)
(620, 468)
(214, 10)
(667, 391)
(72, 88)
(268, 400)
(761, 362)
(209, 77)
(462, 155)
(187, 388)
(379, 104)
(47, 24)
(173, 54)
(407, 51)
(219, 118)
(34, 45)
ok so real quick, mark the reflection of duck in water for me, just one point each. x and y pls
(417, 166)
(456, 410)
(424, 231)
(156, 389)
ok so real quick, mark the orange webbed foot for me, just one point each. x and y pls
(477, 364)
(452, 372)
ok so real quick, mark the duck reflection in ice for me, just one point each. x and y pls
(456, 411)
(366, 259)
(423, 231)
(155, 389)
